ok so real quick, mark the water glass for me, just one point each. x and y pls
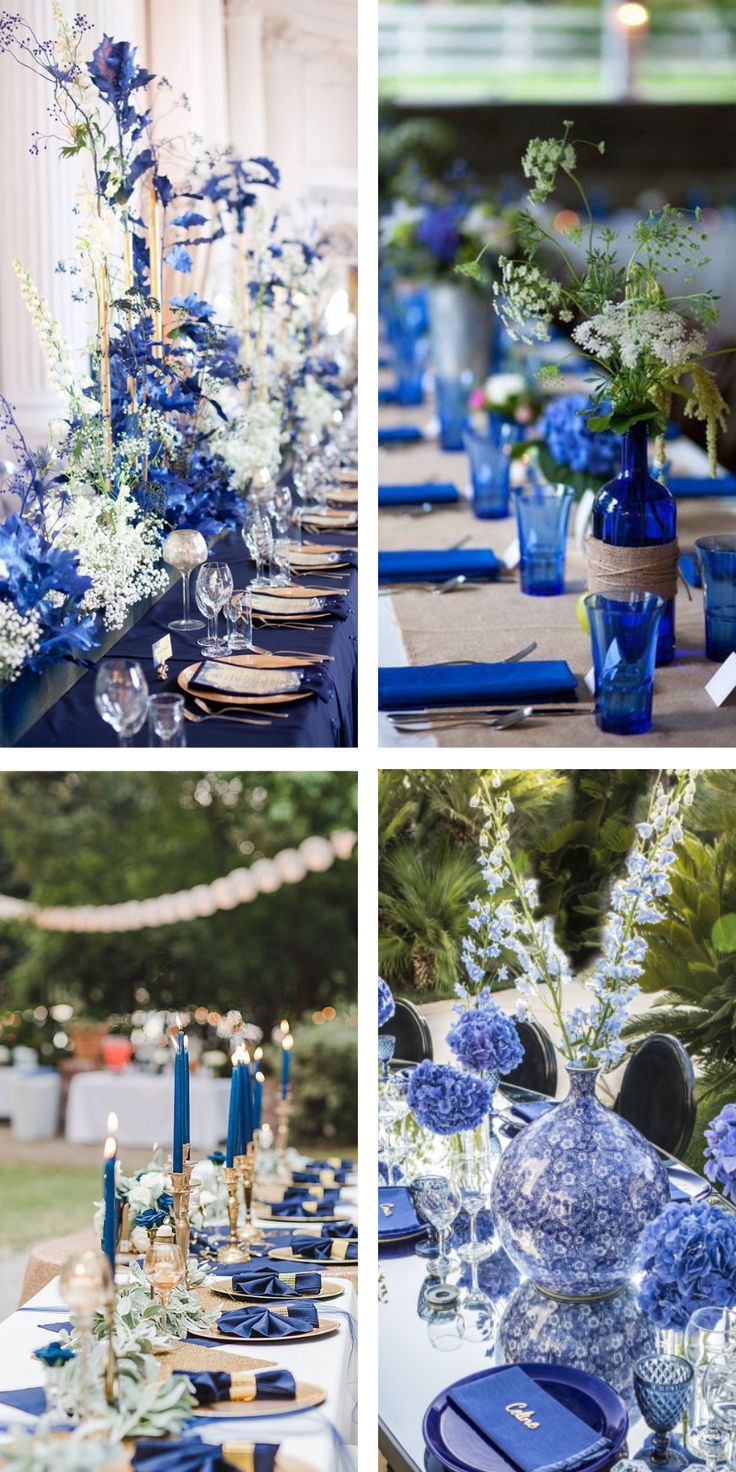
(624, 632)
(166, 720)
(542, 514)
(282, 562)
(411, 355)
(213, 588)
(710, 1332)
(662, 1384)
(490, 469)
(717, 558)
(451, 396)
(121, 697)
(185, 550)
(239, 617)
(439, 1200)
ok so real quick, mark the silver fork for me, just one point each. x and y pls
(235, 710)
(510, 658)
(494, 723)
(190, 715)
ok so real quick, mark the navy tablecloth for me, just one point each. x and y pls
(73, 720)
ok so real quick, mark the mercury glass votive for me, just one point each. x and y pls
(717, 558)
(185, 550)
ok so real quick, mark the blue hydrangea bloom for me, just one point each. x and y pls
(688, 1256)
(571, 443)
(438, 231)
(720, 1163)
(484, 1038)
(445, 1100)
(386, 1004)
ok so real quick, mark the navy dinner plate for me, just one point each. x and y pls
(459, 1448)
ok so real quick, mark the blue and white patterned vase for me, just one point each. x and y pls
(573, 1193)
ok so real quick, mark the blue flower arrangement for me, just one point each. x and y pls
(445, 1100)
(484, 1038)
(386, 1004)
(43, 580)
(688, 1256)
(580, 456)
(720, 1155)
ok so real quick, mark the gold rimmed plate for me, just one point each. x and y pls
(336, 1263)
(329, 1289)
(325, 1327)
(309, 1219)
(306, 1398)
(348, 496)
(266, 696)
(348, 474)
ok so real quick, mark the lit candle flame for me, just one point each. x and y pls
(261, 1077)
(288, 1043)
(110, 1148)
(284, 1027)
(246, 1056)
(112, 1123)
(257, 1056)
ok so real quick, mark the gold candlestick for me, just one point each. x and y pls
(155, 270)
(246, 1167)
(111, 1359)
(231, 1252)
(180, 1192)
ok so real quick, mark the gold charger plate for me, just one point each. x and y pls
(346, 497)
(329, 1289)
(348, 474)
(325, 1327)
(299, 1221)
(183, 680)
(291, 592)
(334, 1262)
(307, 1397)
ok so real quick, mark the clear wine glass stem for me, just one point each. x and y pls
(212, 627)
(124, 740)
(186, 575)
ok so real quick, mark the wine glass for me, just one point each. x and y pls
(720, 1395)
(166, 720)
(239, 615)
(439, 1200)
(164, 1267)
(213, 588)
(709, 1334)
(282, 502)
(282, 560)
(397, 1089)
(121, 697)
(472, 1175)
(185, 550)
(262, 550)
(662, 1384)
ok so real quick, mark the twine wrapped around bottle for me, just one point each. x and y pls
(619, 571)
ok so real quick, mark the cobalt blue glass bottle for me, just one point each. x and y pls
(635, 510)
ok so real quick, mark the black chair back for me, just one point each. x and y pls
(413, 1037)
(658, 1093)
(538, 1067)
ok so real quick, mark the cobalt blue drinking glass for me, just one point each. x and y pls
(635, 510)
(717, 558)
(451, 397)
(490, 466)
(542, 514)
(662, 1384)
(624, 638)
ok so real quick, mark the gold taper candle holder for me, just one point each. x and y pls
(231, 1252)
(111, 1359)
(283, 1112)
(180, 1192)
(246, 1167)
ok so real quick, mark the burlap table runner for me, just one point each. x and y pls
(493, 621)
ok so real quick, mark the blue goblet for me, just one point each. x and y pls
(662, 1384)
(386, 1046)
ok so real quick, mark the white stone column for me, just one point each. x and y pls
(244, 32)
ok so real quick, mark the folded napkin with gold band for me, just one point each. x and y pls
(340, 1229)
(264, 1280)
(260, 1322)
(323, 1249)
(312, 1193)
(528, 1426)
(191, 1454)
(321, 1176)
(302, 1208)
(213, 1385)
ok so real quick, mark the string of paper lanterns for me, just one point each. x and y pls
(239, 887)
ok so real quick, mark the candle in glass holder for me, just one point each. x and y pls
(86, 1282)
(185, 550)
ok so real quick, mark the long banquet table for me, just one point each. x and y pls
(73, 719)
(597, 1333)
(330, 1363)
(142, 1103)
(492, 621)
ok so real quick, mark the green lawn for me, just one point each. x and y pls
(489, 86)
(45, 1201)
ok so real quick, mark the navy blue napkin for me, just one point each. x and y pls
(316, 680)
(264, 1280)
(399, 434)
(441, 493)
(388, 396)
(340, 1229)
(343, 1164)
(213, 1385)
(399, 1217)
(32, 1400)
(303, 1193)
(418, 567)
(531, 1109)
(312, 1177)
(543, 1436)
(690, 487)
(301, 1208)
(528, 681)
(191, 1454)
(260, 1322)
(322, 1249)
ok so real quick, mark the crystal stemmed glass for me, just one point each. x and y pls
(389, 1110)
(713, 1448)
(440, 1204)
(282, 502)
(386, 1046)
(121, 697)
(213, 588)
(472, 1175)
(166, 720)
(185, 550)
(282, 561)
(163, 1265)
(398, 1088)
(720, 1395)
(662, 1384)
(262, 541)
(709, 1334)
(239, 615)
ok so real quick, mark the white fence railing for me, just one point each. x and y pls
(426, 40)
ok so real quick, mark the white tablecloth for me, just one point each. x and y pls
(325, 1362)
(144, 1104)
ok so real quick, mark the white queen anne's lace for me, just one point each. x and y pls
(636, 332)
